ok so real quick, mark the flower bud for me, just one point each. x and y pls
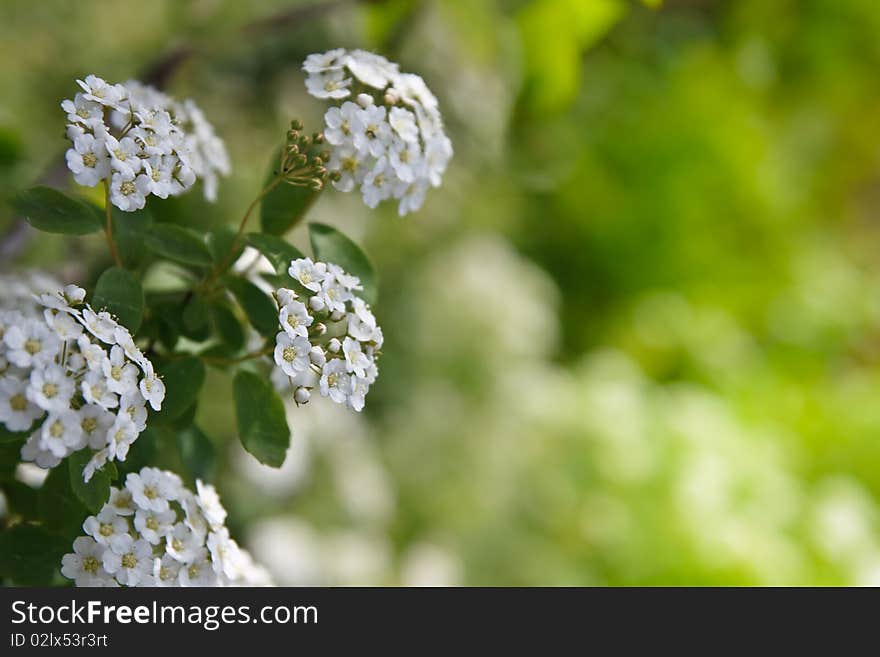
(317, 356)
(320, 328)
(317, 304)
(364, 100)
(336, 315)
(285, 296)
(392, 97)
(302, 395)
(296, 124)
(334, 346)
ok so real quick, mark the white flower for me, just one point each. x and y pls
(390, 144)
(51, 389)
(412, 197)
(341, 123)
(121, 375)
(292, 354)
(335, 382)
(31, 344)
(108, 528)
(329, 61)
(86, 564)
(83, 112)
(309, 274)
(146, 131)
(295, 319)
(329, 84)
(98, 90)
(32, 452)
(406, 160)
(88, 160)
(17, 412)
(198, 572)
(152, 389)
(61, 433)
(371, 69)
(129, 191)
(404, 124)
(209, 503)
(166, 571)
(372, 133)
(95, 423)
(362, 322)
(355, 359)
(152, 489)
(99, 460)
(347, 162)
(95, 391)
(131, 561)
(121, 501)
(64, 325)
(124, 154)
(183, 543)
(134, 406)
(359, 388)
(154, 525)
(101, 325)
(378, 183)
(224, 553)
(121, 435)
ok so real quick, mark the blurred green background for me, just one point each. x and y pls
(633, 339)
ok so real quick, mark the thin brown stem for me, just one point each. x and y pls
(108, 228)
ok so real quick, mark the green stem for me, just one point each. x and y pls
(108, 228)
(227, 259)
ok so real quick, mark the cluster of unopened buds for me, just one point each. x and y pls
(71, 377)
(156, 532)
(390, 141)
(140, 141)
(303, 159)
(329, 338)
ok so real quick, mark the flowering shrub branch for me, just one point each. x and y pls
(101, 385)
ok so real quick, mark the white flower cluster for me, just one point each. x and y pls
(74, 372)
(390, 142)
(329, 338)
(156, 532)
(142, 141)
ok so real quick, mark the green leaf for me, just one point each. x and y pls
(51, 211)
(178, 244)
(21, 498)
(130, 231)
(285, 206)
(227, 326)
(183, 381)
(30, 555)
(196, 452)
(119, 292)
(330, 245)
(261, 310)
(262, 424)
(60, 508)
(220, 241)
(7, 436)
(277, 250)
(10, 457)
(94, 494)
(195, 315)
